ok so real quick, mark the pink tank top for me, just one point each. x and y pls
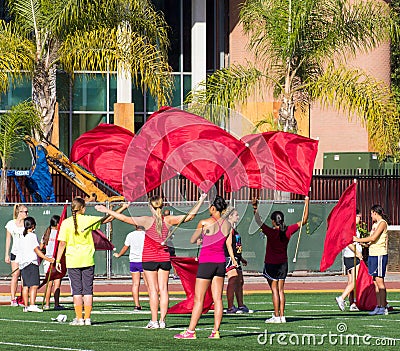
(212, 250)
(153, 251)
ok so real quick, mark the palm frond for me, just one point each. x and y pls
(105, 49)
(353, 91)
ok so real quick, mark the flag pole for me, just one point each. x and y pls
(355, 258)
(298, 239)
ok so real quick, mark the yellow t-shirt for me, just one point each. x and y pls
(379, 246)
(79, 250)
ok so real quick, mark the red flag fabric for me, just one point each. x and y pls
(102, 151)
(52, 272)
(174, 141)
(365, 289)
(101, 243)
(186, 267)
(341, 227)
(274, 160)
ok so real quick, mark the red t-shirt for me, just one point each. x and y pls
(276, 251)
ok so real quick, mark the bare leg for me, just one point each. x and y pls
(14, 279)
(152, 286)
(282, 298)
(230, 290)
(350, 285)
(275, 295)
(48, 293)
(25, 290)
(135, 287)
(380, 291)
(32, 294)
(163, 289)
(217, 285)
(199, 294)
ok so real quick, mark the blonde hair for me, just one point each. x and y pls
(16, 209)
(77, 204)
(156, 202)
(228, 211)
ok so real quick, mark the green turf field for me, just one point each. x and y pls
(314, 322)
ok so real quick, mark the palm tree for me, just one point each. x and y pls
(300, 48)
(23, 119)
(124, 35)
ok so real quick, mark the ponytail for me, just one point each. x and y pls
(157, 203)
(279, 218)
(77, 205)
(380, 211)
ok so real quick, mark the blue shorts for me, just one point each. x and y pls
(377, 265)
(136, 267)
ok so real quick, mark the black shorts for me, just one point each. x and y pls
(30, 275)
(12, 257)
(210, 270)
(229, 266)
(171, 251)
(155, 266)
(349, 263)
(81, 280)
(275, 271)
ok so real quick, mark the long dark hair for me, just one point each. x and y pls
(29, 223)
(380, 211)
(54, 220)
(219, 203)
(279, 219)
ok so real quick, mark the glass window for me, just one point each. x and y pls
(81, 123)
(187, 36)
(90, 92)
(20, 91)
(137, 98)
(151, 104)
(187, 85)
(139, 121)
(113, 90)
(176, 99)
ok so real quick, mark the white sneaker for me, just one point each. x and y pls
(88, 321)
(25, 309)
(273, 319)
(354, 308)
(283, 319)
(162, 324)
(77, 321)
(46, 307)
(152, 325)
(340, 303)
(34, 308)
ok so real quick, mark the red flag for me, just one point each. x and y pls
(52, 272)
(274, 160)
(174, 141)
(102, 151)
(341, 227)
(365, 289)
(186, 267)
(101, 243)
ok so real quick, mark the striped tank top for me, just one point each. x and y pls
(153, 251)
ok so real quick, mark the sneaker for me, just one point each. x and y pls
(152, 325)
(25, 309)
(389, 308)
(77, 321)
(381, 311)
(176, 277)
(283, 319)
(232, 310)
(162, 324)
(273, 319)
(186, 334)
(46, 307)
(14, 303)
(243, 309)
(340, 303)
(59, 308)
(88, 321)
(34, 308)
(354, 308)
(137, 308)
(214, 335)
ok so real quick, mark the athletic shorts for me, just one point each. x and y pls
(30, 275)
(12, 257)
(81, 280)
(209, 270)
(155, 266)
(171, 251)
(275, 271)
(135, 267)
(377, 265)
(349, 263)
(229, 266)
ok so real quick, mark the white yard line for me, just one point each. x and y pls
(41, 346)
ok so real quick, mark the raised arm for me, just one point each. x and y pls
(257, 217)
(305, 218)
(173, 220)
(121, 217)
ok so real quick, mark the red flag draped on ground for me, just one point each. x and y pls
(52, 273)
(186, 267)
(365, 289)
(274, 160)
(341, 227)
(174, 141)
(102, 151)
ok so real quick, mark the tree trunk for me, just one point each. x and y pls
(286, 120)
(3, 185)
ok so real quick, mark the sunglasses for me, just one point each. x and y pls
(23, 212)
